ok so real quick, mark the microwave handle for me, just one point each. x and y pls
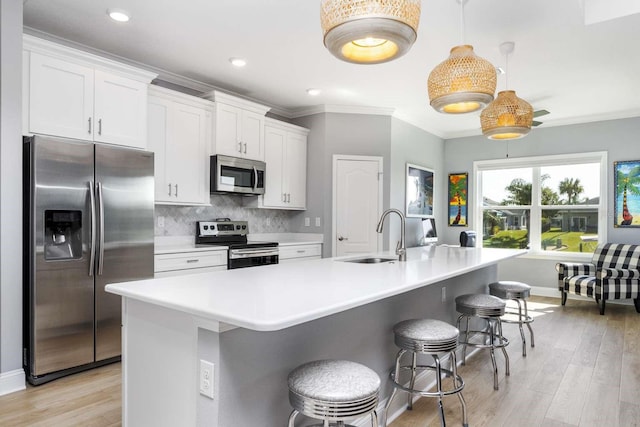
(255, 179)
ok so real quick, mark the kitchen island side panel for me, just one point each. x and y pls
(253, 365)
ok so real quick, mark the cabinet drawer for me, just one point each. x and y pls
(300, 251)
(190, 260)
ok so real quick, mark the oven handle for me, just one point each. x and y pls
(250, 253)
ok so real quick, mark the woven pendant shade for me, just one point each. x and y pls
(462, 83)
(369, 31)
(508, 117)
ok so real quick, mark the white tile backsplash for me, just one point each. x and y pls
(181, 220)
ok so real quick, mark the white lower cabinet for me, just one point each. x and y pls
(179, 135)
(180, 263)
(301, 252)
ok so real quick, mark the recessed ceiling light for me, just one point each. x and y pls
(238, 62)
(118, 15)
(313, 92)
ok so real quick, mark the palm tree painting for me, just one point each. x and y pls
(458, 199)
(627, 201)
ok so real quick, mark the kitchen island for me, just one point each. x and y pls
(257, 324)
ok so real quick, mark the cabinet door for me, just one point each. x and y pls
(60, 98)
(252, 138)
(228, 130)
(187, 153)
(120, 110)
(295, 166)
(158, 132)
(274, 148)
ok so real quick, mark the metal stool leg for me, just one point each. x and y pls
(526, 315)
(454, 372)
(439, 388)
(374, 419)
(385, 414)
(504, 350)
(520, 322)
(292, 418)
(414, 362)
(493, 354)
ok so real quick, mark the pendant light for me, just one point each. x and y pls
(508, 117)
(369, 31)
(464, 82)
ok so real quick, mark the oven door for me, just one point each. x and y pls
(252, 257)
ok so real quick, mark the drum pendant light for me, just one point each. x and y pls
(464, 82)
(508, 117)
(369, 31)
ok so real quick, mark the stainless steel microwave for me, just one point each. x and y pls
(235, 175)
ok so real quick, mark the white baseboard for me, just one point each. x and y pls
(12, 381)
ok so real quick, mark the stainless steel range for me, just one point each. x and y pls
(241, 254)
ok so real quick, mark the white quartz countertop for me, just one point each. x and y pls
(275, 297)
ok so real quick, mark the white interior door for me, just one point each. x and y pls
(357, 189)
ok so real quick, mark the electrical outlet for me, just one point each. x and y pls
(268, 222)
(317, 221)
(444, 294)
(307, 222)
(160, 221)
(206, 378)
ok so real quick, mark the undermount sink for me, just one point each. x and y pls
(371, 260)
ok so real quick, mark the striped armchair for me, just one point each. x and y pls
(614, 273)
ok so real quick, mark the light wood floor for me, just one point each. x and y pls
(584, 371)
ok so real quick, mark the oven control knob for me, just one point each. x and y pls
(206, 227)
(244, 227)
(237, 227)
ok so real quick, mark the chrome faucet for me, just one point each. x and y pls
(401, 250)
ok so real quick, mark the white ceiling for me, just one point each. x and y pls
(578, 72)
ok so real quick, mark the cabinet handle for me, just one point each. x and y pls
(284, 197)
(99, 126)
(342, 238)
(245, 148)
(176, 190)
(301, 252)
(240, 147)
(191, 261)
(288, 197)
(169, 189)
(89, 131)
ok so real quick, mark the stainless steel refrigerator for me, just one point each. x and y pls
(88, 222)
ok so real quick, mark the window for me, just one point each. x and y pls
(550, 204)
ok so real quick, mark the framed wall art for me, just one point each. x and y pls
(627, 193)
(458, 186)
(419, 192)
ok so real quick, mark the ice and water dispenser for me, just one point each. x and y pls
(62, 235)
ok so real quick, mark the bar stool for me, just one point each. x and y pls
(517, 292)
(490, 309)
(333, 390)
(431, 337)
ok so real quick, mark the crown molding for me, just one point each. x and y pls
(343, 109)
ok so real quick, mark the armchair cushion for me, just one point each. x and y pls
(612, 273)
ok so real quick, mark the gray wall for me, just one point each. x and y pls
(619, 138)
(410, 144)
(395, 141)
(10, 186)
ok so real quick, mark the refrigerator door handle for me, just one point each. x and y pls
(92, 250)
(101, 231)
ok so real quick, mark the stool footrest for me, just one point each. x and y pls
(425, 393)
(464, 340)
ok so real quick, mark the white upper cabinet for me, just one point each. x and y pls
(238, 127)
(179, 135)
(70, 93)
(286, 158)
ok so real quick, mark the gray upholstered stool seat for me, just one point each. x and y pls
(333, 390)
(428, 337)
(488, 308)
(517, 292)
